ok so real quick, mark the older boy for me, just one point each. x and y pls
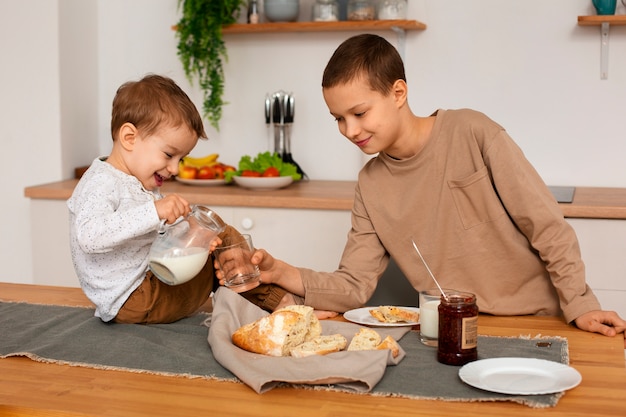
(457, 184)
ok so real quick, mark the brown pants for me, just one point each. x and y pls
(156, 302)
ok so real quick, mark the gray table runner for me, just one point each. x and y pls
(71, 335)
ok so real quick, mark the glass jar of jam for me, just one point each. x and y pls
(458, 328)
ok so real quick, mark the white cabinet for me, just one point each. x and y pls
(603, 247)
(302, 237)
(52, 262)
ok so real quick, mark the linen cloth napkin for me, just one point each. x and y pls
(359, 371)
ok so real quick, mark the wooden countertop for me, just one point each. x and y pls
(328, 195)
(589, 202)
(30, 388)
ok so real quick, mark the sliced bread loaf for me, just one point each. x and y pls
(321, 345)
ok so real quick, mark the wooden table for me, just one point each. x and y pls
(37, 389)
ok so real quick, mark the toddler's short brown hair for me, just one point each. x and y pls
(152, 101)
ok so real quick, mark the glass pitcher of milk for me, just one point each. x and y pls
(182, 248)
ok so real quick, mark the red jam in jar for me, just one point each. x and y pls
(458, 328)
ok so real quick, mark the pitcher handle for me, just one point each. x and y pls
(162, 227)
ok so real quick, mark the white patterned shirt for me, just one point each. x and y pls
(113, 222)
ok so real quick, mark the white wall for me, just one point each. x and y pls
(30, 112)
(527, 64)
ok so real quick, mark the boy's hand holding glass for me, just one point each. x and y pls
(233, 257)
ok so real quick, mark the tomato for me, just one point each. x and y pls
(218, 170)
(271, 172)
(206, 173)
(249, 173)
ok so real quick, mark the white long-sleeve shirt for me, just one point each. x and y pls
(113, 222)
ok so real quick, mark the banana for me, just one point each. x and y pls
(205, 161)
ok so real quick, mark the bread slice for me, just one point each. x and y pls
(365, 339)
(314, 327)
(369, 339)
(378, 315)
(393, 314)
(320, 345)
(391, 344)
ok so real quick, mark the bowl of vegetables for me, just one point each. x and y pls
(266, 171)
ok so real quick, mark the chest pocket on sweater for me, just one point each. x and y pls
(475, 199)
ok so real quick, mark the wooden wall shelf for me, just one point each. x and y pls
(598, 20)
(604, 22)
(284, 27)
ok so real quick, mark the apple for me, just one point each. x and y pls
(205, 173)
(187, 173)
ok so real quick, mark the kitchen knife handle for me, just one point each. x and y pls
(277, 111)
(268, 109)
(292, 107)
(287, 117)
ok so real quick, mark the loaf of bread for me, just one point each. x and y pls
(278, 333)
(296, 331)
(314, 327)
(369, 339)
(320, 345)
(392, 314)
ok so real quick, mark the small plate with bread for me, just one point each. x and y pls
(384, 316)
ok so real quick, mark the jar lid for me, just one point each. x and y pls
(458, 297)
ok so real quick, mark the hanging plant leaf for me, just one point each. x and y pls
(201, 48)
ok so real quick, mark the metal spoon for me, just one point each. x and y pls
(428, 269)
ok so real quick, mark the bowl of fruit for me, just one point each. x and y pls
(266, 171)
(206, 170)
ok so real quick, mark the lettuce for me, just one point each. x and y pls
(261, 162)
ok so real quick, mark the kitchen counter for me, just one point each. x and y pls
(325, 195)
(589, 202)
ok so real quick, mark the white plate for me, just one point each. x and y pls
(202, 182)
(263, 183)
(362, 316)
(527, 376)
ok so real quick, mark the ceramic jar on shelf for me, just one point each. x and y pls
(281, 10)
(391, 9)
(325, 11)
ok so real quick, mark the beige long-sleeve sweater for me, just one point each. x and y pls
(482, 217)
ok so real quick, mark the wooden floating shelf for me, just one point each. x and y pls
(597, 20)
(323, 26)
(604, 22)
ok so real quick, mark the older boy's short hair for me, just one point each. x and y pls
(151, 102)
(365, 55)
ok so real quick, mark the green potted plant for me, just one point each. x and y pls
(201, 48)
